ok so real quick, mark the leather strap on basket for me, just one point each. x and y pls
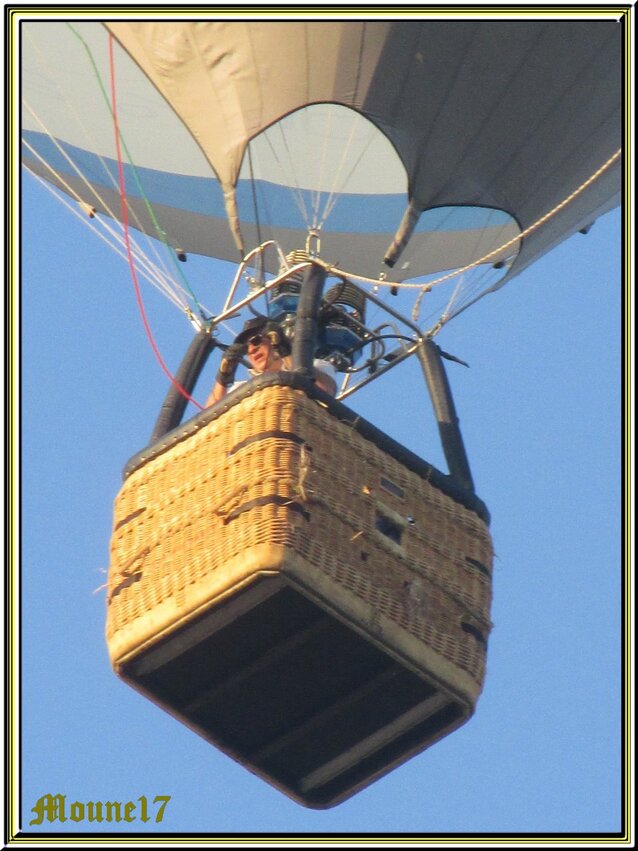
(271, 499)
(264, 435)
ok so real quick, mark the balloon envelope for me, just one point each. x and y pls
(443, 139)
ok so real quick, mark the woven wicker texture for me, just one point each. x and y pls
(278, 468)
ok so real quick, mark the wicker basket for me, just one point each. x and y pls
(278, 542)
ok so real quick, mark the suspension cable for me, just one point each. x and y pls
(296, 189)
(334, 194)
(151, 272)
(162, 278)
(540, 221)
(138, 294)
(149, 208)
(115, 243)
(317, 199)
(86, 132)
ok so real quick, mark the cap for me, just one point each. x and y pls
(261, 324)
(251, 326)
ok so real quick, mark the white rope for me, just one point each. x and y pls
(160, 269)
(87, 134)
(318, 193)
(486, 257)
(468, 290)
(146, 269)
(334, 196)
(81, 201)
(296, 190)
(169, 288)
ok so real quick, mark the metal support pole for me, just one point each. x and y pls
(304, 342)
(172, 411)
(441, 394)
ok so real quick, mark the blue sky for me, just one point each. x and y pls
(540, 409)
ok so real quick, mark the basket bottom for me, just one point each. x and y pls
(294, 693)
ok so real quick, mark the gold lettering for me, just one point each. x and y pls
(53, 808)
(164, 799)
(111, 807)
(77, 811)
(94, 810)
(143, 815)
(50, 805)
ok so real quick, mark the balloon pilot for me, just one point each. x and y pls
(265, 345)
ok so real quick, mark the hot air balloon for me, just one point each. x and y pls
(285, 578)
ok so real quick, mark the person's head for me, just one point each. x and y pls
(265, 343)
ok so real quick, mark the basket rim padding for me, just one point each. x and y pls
(446, 483)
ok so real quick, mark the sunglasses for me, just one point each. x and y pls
(256, 340)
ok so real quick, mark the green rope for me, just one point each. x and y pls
(160, 231)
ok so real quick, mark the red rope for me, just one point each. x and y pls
(127, 240)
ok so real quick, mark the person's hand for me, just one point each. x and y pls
(230, 360)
